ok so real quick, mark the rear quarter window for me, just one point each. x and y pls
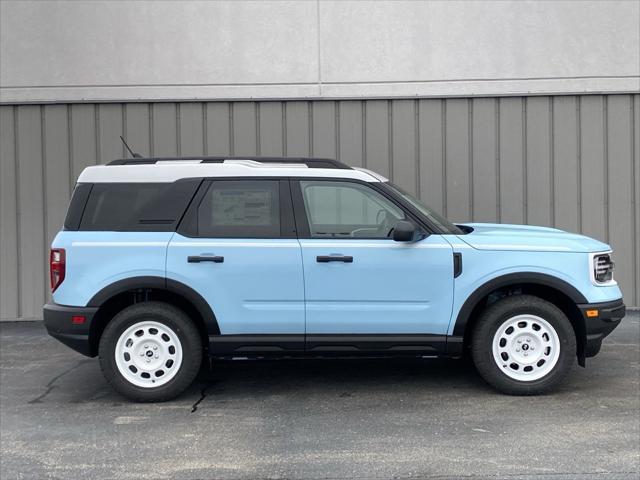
(133, 206)
(111, 206)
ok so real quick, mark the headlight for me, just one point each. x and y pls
(601, 267)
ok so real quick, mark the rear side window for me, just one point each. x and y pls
(240, 208)
(134, 207)
(112, 205)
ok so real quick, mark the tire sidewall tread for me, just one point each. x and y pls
(494, 316)
(175, 319)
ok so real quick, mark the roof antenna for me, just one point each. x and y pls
(133, 154)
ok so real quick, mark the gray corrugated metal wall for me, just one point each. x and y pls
(565, 161)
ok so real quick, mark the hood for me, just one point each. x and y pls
(496, 236)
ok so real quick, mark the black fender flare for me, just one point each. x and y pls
(454, 342)
(160, 283)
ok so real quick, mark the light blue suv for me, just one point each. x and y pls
(164, 261)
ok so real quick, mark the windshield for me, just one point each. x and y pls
(438, 220)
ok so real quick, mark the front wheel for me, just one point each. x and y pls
(150, 352)
(523, 345)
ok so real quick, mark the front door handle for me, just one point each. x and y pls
(334, 258)
(205, 258)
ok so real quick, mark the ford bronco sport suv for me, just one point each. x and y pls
(164, 261)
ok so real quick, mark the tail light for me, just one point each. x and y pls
(57, 267)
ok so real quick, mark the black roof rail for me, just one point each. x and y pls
(309, 162)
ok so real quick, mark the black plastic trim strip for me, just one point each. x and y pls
(310, 162)
(251, 345)
(330, 345)
(512, 279)
(150, 282)
(76, 207)
(378, 344)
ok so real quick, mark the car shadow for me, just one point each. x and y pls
(313, 375)
(231, 380)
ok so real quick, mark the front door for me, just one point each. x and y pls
(363, 290)
(237, 248)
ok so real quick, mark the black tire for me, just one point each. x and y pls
(171, 317)
(494, 316)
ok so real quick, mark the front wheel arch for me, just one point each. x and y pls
(552, 289)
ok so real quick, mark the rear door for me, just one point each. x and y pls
(237, 248)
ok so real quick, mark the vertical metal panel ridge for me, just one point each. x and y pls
(364, 134)
(538, 155)
(605, 167)
(484, 148)
(416, 145)
(457, 159)
(621, 186)
(636, 205)
(552, 163)
(470, 159)
(579, 161)
(565, 161)
(444, 157)
(498, 160)
(30, 183)
(16, 143)
(403, 144)
(511, 149)
(45, 209)
(9, 291)
(72, 179)
(525, 169)
(430, 140)
(390, 137)
(205, 143)
(592, 157)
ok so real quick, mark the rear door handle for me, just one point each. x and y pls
(334, 258)
(205, 258)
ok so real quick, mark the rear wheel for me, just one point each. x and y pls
(523, 345)
(150, 352)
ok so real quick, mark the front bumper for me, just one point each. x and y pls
(600, 319)
(58, 319)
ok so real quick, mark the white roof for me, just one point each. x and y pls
(170, 171)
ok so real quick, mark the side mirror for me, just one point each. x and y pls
(405, 231)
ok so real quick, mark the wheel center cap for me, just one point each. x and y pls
(149, 353)
(525, 347)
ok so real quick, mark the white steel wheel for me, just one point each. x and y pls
(148, 354)
(526, 347)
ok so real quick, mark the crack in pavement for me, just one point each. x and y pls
(50, 386)
(203, 395)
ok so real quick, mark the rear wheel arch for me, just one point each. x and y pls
(121, 294)
(547, 287)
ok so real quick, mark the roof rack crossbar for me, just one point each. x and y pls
(309, 162)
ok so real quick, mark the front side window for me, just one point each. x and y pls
(348, 210)
(242, 208)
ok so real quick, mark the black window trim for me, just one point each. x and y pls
(77, 204)
(187, 225)
(302, 222)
